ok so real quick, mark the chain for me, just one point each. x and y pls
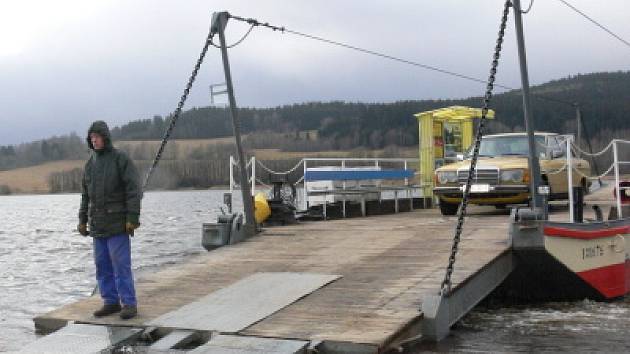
(592, 154)
(264, 167)
(175, 116)
(446, 283)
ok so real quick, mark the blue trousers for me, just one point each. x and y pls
(112, 256)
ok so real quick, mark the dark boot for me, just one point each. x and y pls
(107, 310)
(128, 312)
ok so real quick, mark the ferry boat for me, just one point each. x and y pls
(570, 260)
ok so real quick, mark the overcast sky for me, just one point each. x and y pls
(65, 63)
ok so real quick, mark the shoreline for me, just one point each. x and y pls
(213, 188)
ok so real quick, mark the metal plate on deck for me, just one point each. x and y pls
(244, 303)
(227, 344)
(173, 339)
(81, 338)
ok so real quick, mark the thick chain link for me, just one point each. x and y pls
(446, 283)
(178, 110)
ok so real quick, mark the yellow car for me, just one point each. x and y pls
(502, 174)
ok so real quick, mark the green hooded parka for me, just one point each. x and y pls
(111, 191)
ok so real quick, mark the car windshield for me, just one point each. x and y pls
(494, 146)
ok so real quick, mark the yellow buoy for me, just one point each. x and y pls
(261, 208)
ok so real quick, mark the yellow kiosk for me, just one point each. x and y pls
(443, 134)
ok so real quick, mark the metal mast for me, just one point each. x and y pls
(534, 166)
(219, 21)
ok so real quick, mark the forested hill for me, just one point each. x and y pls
(603, 97)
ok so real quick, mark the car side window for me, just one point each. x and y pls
(556, 147)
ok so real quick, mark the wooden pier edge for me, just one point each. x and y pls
(389, 265)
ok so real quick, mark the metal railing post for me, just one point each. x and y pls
(406, 179)
(570, 179)
(305, 202)
(231, 175)
(617, 181)
(380, 194)
(343, 185)
(253, 162)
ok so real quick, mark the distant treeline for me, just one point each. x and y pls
(603, 97)
(69, 147)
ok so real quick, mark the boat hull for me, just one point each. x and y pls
(567, 262)
(597, 252)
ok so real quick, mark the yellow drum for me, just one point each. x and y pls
(261, 208)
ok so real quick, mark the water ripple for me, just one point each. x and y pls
(45, 264)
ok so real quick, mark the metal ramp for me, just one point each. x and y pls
(230, 344)
(243, 303)
(174, 340)
(82, 338)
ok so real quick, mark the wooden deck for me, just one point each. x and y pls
(387, 264)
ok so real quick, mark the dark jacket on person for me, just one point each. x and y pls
(111, 191)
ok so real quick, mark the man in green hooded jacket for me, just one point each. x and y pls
(110, 204)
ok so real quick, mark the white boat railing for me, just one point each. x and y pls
(571, 148)
(341, 162)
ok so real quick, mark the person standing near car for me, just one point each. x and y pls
(110, 205)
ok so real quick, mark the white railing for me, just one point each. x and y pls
(342, 162)
(569, 166)
(617, 163)
(251, 165)
(615, 167)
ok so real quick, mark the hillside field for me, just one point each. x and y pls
(34, 179)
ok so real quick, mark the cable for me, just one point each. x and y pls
(391, 57)
(595, 23)
(255, 22)
(237, 42)
(531, 3)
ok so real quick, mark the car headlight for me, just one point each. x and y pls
(444, 177)
(513, 176)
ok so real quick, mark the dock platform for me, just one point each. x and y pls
(377, 271)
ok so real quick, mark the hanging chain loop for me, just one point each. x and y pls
(446, 283)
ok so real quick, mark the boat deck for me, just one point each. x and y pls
(387, 264)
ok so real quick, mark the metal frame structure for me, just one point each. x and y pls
(219, 21)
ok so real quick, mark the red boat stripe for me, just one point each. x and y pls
(586, 234)
(610, 281)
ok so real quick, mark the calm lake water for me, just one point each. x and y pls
(44, 264)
